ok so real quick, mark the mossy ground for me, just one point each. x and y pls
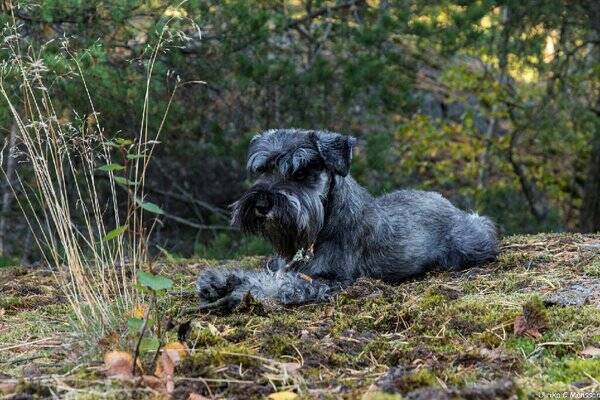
(433, 336)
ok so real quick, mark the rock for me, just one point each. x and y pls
(574, 295)
(591, 247)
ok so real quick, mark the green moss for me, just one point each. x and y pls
(488, 339)
(339, 359)
(416, 380)
(574, 369)
(378, 348)
(280, 345)
(33, 389)
(593, 269)
(431, 299)
(522, 345)
(205, 337)
(12, 302)
(204, 362)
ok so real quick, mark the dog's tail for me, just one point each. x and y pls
(473, 241)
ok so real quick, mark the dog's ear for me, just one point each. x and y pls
(257, 155)
(336, 150)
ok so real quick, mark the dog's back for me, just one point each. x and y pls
(433, 231)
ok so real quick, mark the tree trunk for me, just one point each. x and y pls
(7, 195)
(590, 210)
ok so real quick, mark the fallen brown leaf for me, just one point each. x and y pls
(522, 328)
(171, 355)
(153, 383)
(177, 351)
(118, 364)
(8, 388)
(165, 369)
(328, 312)
(532, 321)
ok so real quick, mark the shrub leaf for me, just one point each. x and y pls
(149, 344)
(111, 167)
(115, 233)
(154, 282)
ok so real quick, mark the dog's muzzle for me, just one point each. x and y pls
(263, 204)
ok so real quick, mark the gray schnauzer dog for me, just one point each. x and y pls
(328, 231)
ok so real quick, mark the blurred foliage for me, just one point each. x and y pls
(494, 103)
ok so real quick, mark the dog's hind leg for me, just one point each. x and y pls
(223, 289)
(473, 242)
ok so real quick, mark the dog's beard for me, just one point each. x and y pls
(293, 223)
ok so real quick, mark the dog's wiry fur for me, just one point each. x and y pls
(305, 199)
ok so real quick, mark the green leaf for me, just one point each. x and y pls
(123, 142)
(149, 344)
(111, 144)
(111, 167)
(154, 282)
(135, 324)
(115, 233)
(150, 207)
(135, 156)
(124, 181)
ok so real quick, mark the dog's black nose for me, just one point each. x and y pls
(263, 205)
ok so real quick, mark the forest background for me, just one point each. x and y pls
(496, 104)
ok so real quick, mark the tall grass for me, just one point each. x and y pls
(74, 202)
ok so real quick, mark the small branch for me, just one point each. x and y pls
(7, 192)
(143, 330)
(191, 224)
(184, 221)
(540, 212)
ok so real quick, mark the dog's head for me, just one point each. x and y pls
(294, 172)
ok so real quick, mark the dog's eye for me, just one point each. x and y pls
(300, 175)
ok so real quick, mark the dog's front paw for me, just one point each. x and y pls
(220, 289)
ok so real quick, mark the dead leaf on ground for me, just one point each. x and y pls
(590, 351)
(8, 388)
(328, 312)
(522, 328)
(118, 364)
(154, 383)
(177, 351)
(533, 320)
(165, 370)
(283, 396)
(171, 355)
